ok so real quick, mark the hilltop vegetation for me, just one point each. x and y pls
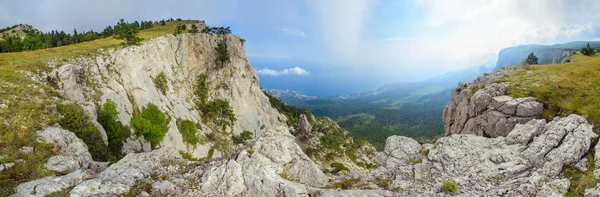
(27, 105)
(564, 89)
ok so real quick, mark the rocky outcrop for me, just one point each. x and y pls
(482, 108)
(73, 159)
(268, 166)
(126, 76)
(518, 165)
(73, 152)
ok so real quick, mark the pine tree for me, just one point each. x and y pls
(194, 29)
(531, 59)
(588, 50)
(127, 31)
(222, 53)
(75, 36)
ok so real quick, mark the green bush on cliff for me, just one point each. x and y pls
(201, 90)
(187, 128)
(161, 83)
(77, 121)
(338, 167)
(222, 53)
(150, 123)
(243, 137)
(220, 112)
(108, 117)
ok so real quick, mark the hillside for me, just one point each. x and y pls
(563, 88)
(16, 30)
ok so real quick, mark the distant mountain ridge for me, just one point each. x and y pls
(547, 54)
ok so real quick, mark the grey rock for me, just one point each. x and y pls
(524, 133)
(26, 150)
(488, 111)
(592, 192)
(530, 108)
(119, 177)
(555, 188)
(164, 188)
(6, 166)
(48, 185)
(398, 150)
(73, 154)
(511, 166)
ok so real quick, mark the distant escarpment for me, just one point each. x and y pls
(547, 54)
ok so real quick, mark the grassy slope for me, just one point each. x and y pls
(563, 88)
(25, 108)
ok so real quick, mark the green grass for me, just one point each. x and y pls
(450, 186)
(581, 180)
(564, 89)
(28, 109)
(187, 128)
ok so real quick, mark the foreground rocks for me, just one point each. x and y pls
(527, 162)
(73, 159)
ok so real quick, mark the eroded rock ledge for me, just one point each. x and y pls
(482, 108)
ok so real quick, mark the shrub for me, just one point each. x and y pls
(220, 112)
(450, 186)
(587, 50)
(222, 53)
(127, 31)
(150, 123)
(201, 90)
(77, 121)
(531, 59)
(187, 128)
(243, 137)
(346, 184)
(115, 131)
(332, 141)
(160, 82)
(311, 151)
(194, 29)
(139, 187)
(338, 167)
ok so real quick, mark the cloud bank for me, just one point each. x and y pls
(291, 71)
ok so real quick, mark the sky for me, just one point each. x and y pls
(330, 47)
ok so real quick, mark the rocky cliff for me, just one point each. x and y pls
(254, 155)
(494, 145)
(127, 77)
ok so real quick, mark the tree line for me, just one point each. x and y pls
(35, 40)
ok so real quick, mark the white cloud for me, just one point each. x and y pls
(397, 39)
(291, 71)
(293, 32)
(449, 35)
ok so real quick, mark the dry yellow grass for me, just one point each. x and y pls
(564, 89)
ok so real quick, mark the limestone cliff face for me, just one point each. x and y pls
(125, 76)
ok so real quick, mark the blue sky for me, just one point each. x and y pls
(335, 47)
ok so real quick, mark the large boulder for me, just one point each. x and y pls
(73, 153)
